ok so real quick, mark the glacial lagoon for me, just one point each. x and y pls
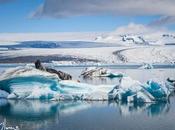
(93, 115)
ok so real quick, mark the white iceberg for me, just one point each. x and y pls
(83, 91)
(146, 66)
(100, 72)
(30, 83)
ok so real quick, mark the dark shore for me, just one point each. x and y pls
(46, 59)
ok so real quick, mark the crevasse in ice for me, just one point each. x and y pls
(30, 83)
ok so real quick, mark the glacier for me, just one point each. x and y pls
(29, 83)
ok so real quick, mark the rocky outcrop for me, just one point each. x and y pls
(61, 75)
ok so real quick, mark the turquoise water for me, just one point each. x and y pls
(52, 115)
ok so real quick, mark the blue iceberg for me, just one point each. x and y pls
(130, 90)
(29, 83)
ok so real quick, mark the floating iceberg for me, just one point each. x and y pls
(146, 66)
(30, 83)
(130, 90)
(83, 91)
(99, 72)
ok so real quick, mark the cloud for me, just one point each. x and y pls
(133, 28)
(68, 8)
(165, 20)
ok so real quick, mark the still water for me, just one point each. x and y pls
(79, 115)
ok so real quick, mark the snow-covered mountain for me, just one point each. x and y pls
(134, 39)
(134, 34)
(123, 39)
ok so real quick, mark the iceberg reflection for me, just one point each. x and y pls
(40, 114)
(149, 109)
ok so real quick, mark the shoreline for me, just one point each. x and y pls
(119, 65)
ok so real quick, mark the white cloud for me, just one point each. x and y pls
(133, 28)
(67, 8)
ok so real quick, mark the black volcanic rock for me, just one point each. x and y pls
(38, 65)
(61, 75)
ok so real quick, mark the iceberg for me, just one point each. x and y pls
(30, 83)
(146, 66)
(130, 90)
(82, 91)
(99, 72)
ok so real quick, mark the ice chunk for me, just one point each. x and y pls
(99, 72)
(146, 66)
(158, 91)
(130, 90)
(30, 83)
(83, 91)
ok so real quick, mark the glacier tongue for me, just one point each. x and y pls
(29, 83)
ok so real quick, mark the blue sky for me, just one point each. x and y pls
(22, 16)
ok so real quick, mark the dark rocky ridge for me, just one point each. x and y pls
(46, 59)
(61, 75)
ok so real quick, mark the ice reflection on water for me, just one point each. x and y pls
(35, 115)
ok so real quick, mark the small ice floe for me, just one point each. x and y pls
(146, 66)
(99, 72)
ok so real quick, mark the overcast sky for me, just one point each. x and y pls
(83, 15)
